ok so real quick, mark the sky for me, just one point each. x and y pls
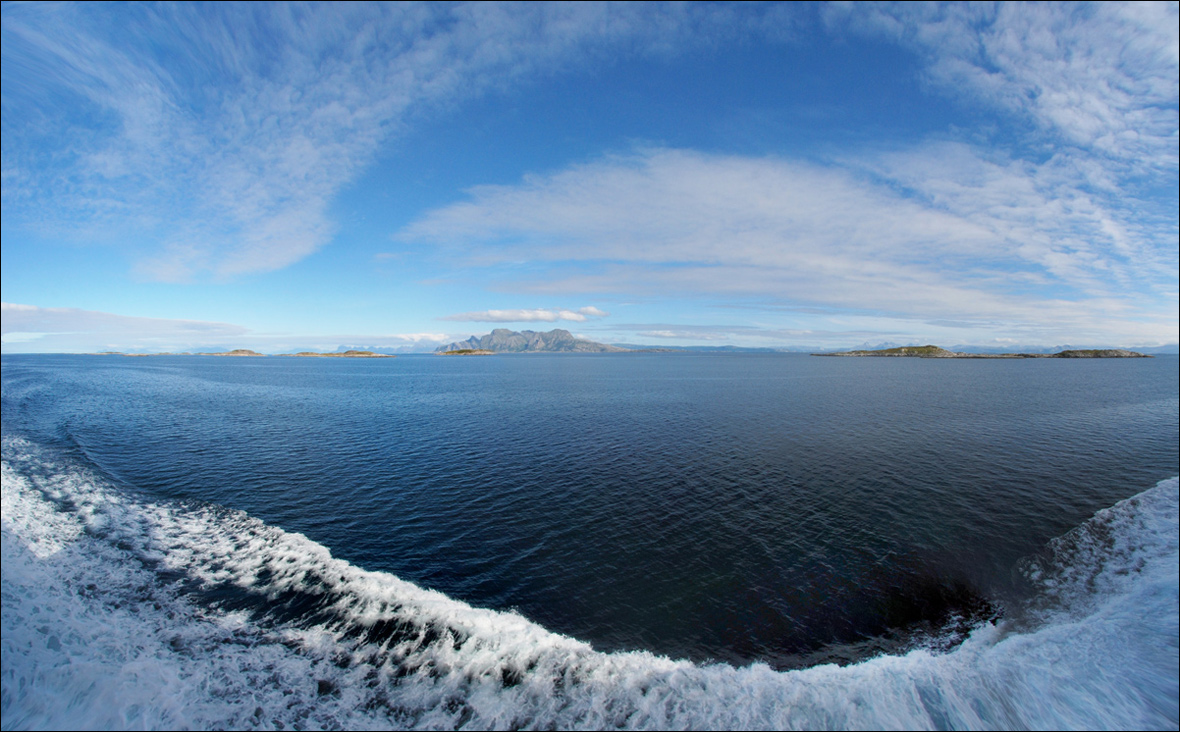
(289, 177)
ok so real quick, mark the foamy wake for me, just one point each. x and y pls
(120, 612)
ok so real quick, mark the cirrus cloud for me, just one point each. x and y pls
(33, 328)
(943, 230)
(217, 135)
(1102, 76)
(542, 315)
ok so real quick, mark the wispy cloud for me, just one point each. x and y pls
(941, 229)
(71, 329)
(1103, 76)
(1099, 243)
(18, 317)
(693, 332)
(29, 328)
(544, 315)
(216, 135)
(694, 335)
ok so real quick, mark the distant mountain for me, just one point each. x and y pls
(389, 350)
(1171, 348)
(502, 340)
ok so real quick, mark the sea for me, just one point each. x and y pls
(589, 541)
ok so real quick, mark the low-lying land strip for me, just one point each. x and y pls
(936, 352)
(344, 354)
(246, 352)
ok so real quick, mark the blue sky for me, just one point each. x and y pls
(278, 177)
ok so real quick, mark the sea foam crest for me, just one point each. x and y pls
(123, 612)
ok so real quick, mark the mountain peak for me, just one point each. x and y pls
(502, 340)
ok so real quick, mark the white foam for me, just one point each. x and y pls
(95, 636)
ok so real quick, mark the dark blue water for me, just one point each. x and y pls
(732, 507)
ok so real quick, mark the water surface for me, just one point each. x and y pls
(738, 508)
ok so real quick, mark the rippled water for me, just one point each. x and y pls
(733, 507)
(737, 508)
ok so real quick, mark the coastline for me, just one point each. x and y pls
(937, 352)
(247, 353)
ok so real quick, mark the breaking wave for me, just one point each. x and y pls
(120, 611)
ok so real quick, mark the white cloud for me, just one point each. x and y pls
(23, 337)
(941, 230)
(544, 315)
(16, 317)
(1104, 76)
(1063, 231)
(28, 328)
(71, 329)
(681, 206)
(218, 134)
(695, 335)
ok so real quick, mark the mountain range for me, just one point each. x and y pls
(502, 340)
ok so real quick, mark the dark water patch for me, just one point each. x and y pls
(447, 664)
(730, 507)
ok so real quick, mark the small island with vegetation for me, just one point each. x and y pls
(237, 352)
(467, 352)
(936, 352)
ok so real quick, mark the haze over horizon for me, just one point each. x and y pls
(302, 177)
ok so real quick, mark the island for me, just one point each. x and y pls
(937, 352)
(502, 340)
(237, 352)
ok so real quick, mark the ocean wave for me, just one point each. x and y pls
(120, 611)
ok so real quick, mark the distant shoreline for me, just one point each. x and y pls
(937, 352)
(928, 351)
(247, 353)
